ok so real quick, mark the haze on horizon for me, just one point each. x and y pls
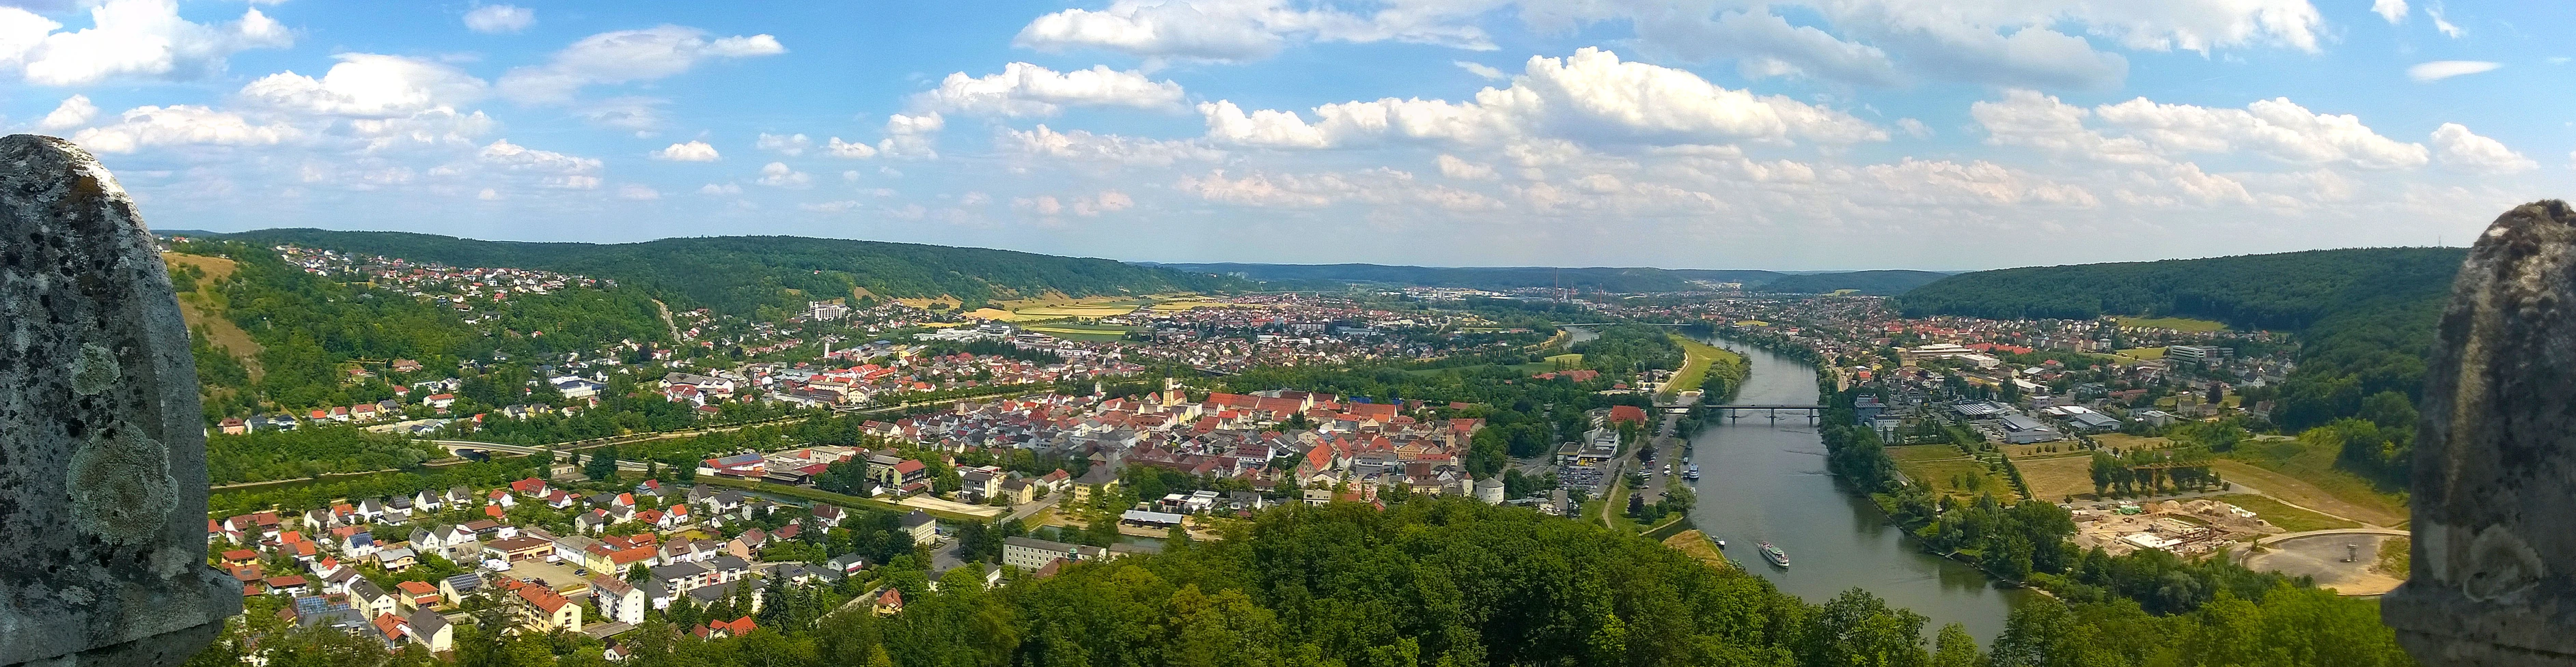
(1708, 134)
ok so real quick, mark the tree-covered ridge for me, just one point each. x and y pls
(1889, 282)
(2364, 318)
(313, 332)
(742, 274)
(2285, 292)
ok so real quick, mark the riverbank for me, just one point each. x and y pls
(1766, 481)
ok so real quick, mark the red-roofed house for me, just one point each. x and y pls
(1627, 414)
(721, 629)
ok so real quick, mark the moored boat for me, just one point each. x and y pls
(1691, 473)
(1775, 555)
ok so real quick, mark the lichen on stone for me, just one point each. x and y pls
(96, 371)
(121, 486)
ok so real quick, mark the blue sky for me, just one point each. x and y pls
(1812, 134)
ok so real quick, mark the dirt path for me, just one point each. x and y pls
(2300, 494)
(667, 321)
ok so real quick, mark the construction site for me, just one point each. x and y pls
(2186, 528)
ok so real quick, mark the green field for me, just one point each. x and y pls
(1695, 363)
(2174, 323)
(2144, 353)
(1943, 470)
(2314, 464)
(1081, 332)
(1554, 363)
(2289, 519)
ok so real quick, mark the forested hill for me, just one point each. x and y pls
(741, 274)
(2286, 291)
(1877, 283)
(2365, 316)
(1607, 279)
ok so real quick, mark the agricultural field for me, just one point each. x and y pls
(1076, 310)
(1943, 470)
(932, 303)
(1187, 303)
(2044, 449)
(2174, 323)
(2057, 478)
(1081, 332)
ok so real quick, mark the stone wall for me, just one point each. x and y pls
(102, 440)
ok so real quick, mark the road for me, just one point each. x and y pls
(1029, 509)
(1668, 455)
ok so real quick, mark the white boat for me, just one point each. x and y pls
(1691, 473)
(1775, 555)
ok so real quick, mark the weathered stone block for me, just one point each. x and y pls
(2494, 578)
(102, 440)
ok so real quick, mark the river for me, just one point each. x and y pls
(1765, 481)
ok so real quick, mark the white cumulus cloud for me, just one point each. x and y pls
(75, 111)
(912, 135)
(690, 151)
(779, 175)
(2276, 128)
(627, 55)
(843, 149)
(181, 125)
(1022, 89)
(2393, 10)
(368, 85)
(501, 153)
(1239, 30)
(2466, 151)
(1453, 167)
(129, 39)
(1590, 95)
(1083, 145)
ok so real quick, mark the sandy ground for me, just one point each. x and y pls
(929, 503)
(2321, 556)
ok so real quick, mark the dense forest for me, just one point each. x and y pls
(1875, 283)
(2364, 318)
(743, 274)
